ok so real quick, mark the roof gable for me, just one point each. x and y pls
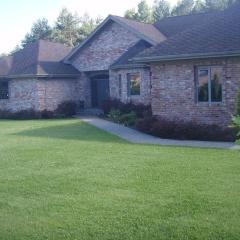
(146, 32)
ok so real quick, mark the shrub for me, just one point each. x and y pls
(145, 124)
(4, 114)
(111, 104)
(140, 109)
(46, 114)
(25, 115)
(66, 109)
(114, 115)
(128, 119)
(236, 125)
(185, 130)
(238, 102)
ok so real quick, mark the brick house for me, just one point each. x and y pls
(187, 68)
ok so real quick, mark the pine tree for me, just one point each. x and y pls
(143, 13)
(161, 9)
(66, 29)
(40, 30)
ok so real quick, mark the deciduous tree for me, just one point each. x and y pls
(40, 30)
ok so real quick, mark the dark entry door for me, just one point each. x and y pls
(100, 91)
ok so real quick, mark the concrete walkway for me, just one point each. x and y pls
(135, 136)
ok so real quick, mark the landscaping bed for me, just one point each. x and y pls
(64, 110)
(140, 117)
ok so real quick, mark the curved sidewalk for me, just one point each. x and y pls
(135, 136)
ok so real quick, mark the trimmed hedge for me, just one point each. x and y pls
(185, 130)
(64, 110)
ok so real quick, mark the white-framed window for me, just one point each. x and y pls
(209, 84)
(133, 81)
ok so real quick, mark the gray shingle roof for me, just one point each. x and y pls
(148, 30)
(218, 36)
(38, 58)
(126, 58)
(171, 26)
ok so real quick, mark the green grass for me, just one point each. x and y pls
(63, 179)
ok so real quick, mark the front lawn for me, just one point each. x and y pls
(63, 179)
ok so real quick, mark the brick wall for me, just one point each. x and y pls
(144, 97)
(173, 91)
(83, 88)
(22, 95)
(105, 48)
(52, 92)
(41, 94)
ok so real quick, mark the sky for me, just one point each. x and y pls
(17, 16)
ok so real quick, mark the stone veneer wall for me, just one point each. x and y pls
(173, 91)
(145, 88)
(104, 49)
(22, 95)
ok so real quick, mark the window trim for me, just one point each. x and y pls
(8, 90)
(129, 84)
(209, 69)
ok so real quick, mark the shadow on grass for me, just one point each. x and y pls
(74, 131)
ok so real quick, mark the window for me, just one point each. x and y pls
(120, 85)
(133, 80)
(209, 84)
(3, 89)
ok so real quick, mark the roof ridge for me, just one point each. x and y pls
(132, 20)
(190, 14)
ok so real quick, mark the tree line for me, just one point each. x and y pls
(71, 29)
(162, 9)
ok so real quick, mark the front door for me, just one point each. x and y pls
(100, 91)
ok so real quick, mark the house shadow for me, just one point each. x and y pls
(72, 131)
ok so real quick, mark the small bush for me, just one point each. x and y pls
(46, 114)
(66, 109)
(114, 115)
(4, 114)
(145, 124)
(236, 125)
(111, 104)
(185, 130)
(238, 102)
(28, 114)
(128, 119)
